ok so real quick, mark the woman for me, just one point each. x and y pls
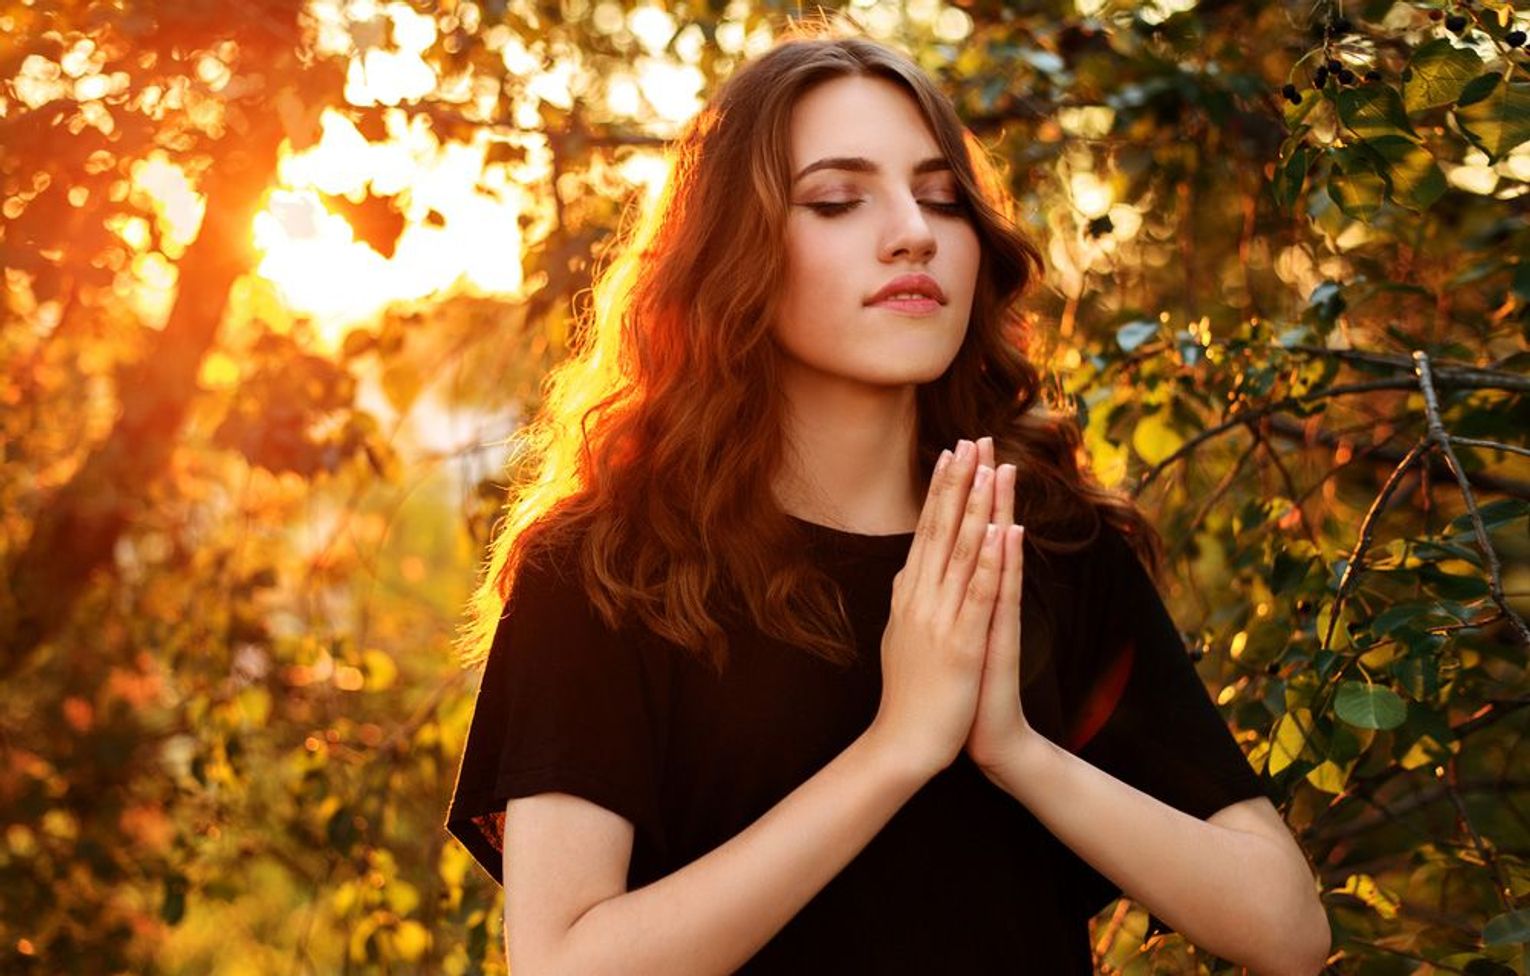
(758, 700)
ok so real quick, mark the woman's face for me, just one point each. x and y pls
(850, 231)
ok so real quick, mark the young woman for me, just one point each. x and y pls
(757, 694)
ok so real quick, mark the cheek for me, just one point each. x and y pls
(815, 260)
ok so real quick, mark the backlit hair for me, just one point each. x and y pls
(653, 451)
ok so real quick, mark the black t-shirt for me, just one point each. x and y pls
(962, 878)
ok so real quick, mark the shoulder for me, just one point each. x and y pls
(1080, 557)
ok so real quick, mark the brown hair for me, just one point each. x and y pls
(659, 434)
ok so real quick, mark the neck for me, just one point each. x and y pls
(848, 454)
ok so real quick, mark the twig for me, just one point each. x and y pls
(1439, 436)
(1466, 377)
(1290, 483)
(1367, 531)
(1502, 888)
(1351, 571)
(1493, 445)
(1275, 406)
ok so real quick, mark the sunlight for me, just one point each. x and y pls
(460, 223)
(462, 218)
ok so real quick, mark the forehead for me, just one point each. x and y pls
(869, 117)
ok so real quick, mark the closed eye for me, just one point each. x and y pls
(835, 209)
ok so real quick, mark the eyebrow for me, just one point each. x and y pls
(860, 164)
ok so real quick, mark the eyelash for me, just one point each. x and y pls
(835, 209)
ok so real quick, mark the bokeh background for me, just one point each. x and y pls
(280, 281)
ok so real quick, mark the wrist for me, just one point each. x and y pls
(896, 758)
(1020, 760)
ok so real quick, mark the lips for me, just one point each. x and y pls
(918, 284)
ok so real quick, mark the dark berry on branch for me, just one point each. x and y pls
(1272, 668)
(1455, 23)
(1514, 38)
(1334, 66)
(1291, 94)
(1436, 14)
(1346, 76)
(1320, 78)
(1407, 74)
(1373, 76)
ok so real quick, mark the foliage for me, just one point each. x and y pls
(1286, 295)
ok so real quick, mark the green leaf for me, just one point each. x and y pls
(1295, 113)
(1450, 585)
(1439, 71)
(1478, 88)
(1374, 110)
(1508, 928)
(1500, 122)
(1495, 513)
(1370, 706)
(1391, 618)
(1418, 673)
(1291, 176)
(1289, 570)
(1354, 184)
(1414, 178)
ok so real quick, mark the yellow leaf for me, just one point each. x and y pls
(1380, 657)
(1365, 888)
(1154, 440)
(1425, 751)
(1291, 740)
(380, 669)
(1330, 777)
(410, 940)
(1258, 756)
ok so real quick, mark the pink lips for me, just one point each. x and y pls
(918, 306)
(921, 284)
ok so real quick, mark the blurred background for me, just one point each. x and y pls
(279, 281)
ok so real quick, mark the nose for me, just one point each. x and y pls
(909, 235)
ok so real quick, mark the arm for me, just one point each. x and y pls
(716, 912)
(1237, 891)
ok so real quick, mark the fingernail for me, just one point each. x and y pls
(963, 449)
(945, 458)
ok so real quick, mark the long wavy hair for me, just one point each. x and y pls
(649, 464)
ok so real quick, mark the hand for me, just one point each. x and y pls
(942, 602)
(1000, 726)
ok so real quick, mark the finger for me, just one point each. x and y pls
(1004, 496)
(941, 535)
(1004, 632)
(975, 616)
(969, 539)
(939, 482)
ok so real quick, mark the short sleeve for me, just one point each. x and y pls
(566, 705)
(1137, 708)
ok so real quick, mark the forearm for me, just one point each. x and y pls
(713, 914)
(1220, 888)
